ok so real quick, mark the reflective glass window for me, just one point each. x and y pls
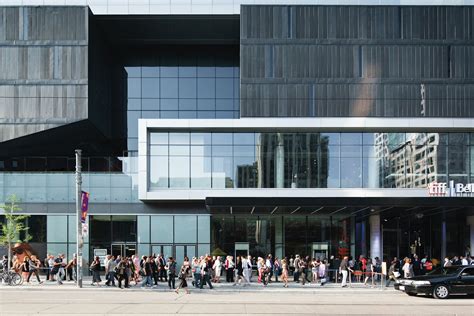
(179, 171)
(187, 88)
(150, 88)
(161, 229)
(169, 88)
(187, 105)
(158, 138)
(151, 72)
(201, 138)
(134, 89)
(150, 104)
(168, 105)
(185, 229)
(179, 138)
(206, 88)
(207, 105)
(222, 138)
(201, 172)
(224, 88)
(133, 71)
(158, 172)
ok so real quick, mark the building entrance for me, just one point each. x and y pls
(123, 249)
(176, 251)
(241, 249)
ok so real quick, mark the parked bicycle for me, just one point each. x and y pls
(11, 278)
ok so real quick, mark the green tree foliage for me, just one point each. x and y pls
(14, 226)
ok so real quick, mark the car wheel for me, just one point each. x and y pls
(441, 292)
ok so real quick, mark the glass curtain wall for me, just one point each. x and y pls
(185, 83)
(281, 235)
(220, 160)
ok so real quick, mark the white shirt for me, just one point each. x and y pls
(464, 262)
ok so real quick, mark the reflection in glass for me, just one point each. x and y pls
(315, 160)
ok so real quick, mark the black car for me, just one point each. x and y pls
(440, 283)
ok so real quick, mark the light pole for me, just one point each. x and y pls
(79, 241)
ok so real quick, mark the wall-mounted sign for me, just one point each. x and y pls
(451, 189)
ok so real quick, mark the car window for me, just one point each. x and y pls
(445, 271)
(468, 272)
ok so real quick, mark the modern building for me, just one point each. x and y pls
(231, 127)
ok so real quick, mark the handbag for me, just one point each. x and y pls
(396, 274)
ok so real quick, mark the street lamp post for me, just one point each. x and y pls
(78, 216)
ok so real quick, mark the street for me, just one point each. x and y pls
(51, 299)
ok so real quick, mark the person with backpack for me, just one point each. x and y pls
(33, 267)
(183, 274)
(146, 272)
(171, 272)
(205, 273)
(123, 271)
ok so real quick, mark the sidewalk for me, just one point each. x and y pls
(218, 287)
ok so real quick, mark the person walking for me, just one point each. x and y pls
(229, 268)
(296, 273)
(25, 267)
(33, 267)
(123, 271)
(322, 271)
(71, 268)
(344, 270)
(171, 272)
(276, 268)
(247, 266)
(369, 272)
(392, 273)
(111, 265)
(183, 273)
(46, 266)
(303, 268)
(240, 271)
(205, 273)
(407, 269)
(217, 269)
(146, 272)
(284, 272)
(95, 269)
(196, 269)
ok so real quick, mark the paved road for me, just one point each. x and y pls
(67, 300)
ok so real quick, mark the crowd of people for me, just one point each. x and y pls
(148, 271)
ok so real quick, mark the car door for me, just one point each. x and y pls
(467, 281)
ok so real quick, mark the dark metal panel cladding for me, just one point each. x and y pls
(43, 68)
(363, 61)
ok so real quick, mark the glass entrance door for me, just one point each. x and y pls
(241, 249)
(123, 249)
(178, 252)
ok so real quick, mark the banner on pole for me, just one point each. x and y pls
(84, 206)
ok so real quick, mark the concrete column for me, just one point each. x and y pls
(470, 222)
(375, 236)
(280, 163)
(443, 240)
(279, 237)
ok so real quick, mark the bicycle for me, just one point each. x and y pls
(11, 278)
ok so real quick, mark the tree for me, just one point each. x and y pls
(14, 225)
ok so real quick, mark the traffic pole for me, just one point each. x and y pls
(79, 241)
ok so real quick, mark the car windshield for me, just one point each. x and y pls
(445, 271)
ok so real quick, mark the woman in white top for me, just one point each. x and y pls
(407, 269)
(217, 267)
(322, 272)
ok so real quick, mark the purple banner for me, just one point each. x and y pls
(84, 206)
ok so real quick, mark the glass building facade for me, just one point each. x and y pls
(197, 160)
(273, 131)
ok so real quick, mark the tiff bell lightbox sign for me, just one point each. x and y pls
(450, 189)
